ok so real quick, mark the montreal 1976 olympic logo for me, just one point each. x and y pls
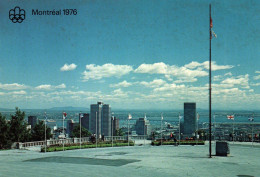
(17, 15)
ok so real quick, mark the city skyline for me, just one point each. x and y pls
(140, 54)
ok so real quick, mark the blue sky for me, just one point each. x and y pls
(143, 54)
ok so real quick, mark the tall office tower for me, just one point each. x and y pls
(190, 120)
(32, 120)
(95, 118)
(84, 120)
(115, 124)
(69, 128)
(106, 120)
(143, 127)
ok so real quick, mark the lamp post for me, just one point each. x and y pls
(63, 117)
(144, 127)
(161, 127)
(80, 116)
(179, 128)
(96, 129)
(112, 127)
(214, 116)
(129, 117)
(45, 132)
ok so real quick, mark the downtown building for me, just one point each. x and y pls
(190, 120)
(143, 127)
(114, 125)
(100, 119)
(85, 121)
(32, 120)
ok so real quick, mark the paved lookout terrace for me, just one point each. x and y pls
(152, 161)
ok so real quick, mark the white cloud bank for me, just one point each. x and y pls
(97, 72)
(121, 84)
(67, 67)
(14, 86)
(50, 87)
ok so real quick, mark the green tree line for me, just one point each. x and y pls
(16, 130)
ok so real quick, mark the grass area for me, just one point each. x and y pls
(85, 146)
(184, 142)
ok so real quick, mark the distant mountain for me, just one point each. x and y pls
(68, 108)
(6, 109)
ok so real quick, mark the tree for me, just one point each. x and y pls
(119, 132)
(76, 132)
(5, 141)
(38, 132)
(18, 127)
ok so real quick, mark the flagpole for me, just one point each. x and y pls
(161, 129)
(179, 128)
(210, 22)
(128, 131)
(80, 129)
(233, 128)
(63, 131)
(144, 127)
(45, 132)
(96, 129)
(214, 127)
(112, 128)
(252, 129)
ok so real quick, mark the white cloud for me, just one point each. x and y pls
(156, 68)
(153, 84)
(255, 84)
(239, 80)
(228, 74)
(61, 86)
(67, 67)
(14, 86)
(257, 77)
(21, 92)
(97, 72)
(188, 79)
(183, 73)
(50, 87)
(121, 84)
(205, 65)
(169, 87)
(44, 87)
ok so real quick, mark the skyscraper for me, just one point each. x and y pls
(106, 120)
(115, 124)
(95, 118)
(143, 127)
(85, 121)
(32, 120)
(190, 120)
(101, 114)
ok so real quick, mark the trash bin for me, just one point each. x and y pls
(222, 148)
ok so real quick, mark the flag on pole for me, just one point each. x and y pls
(231, 117)
(64, 115)
(212, 33)
(162, 117)
(129, 116)
(81, 115)
(180, 117)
